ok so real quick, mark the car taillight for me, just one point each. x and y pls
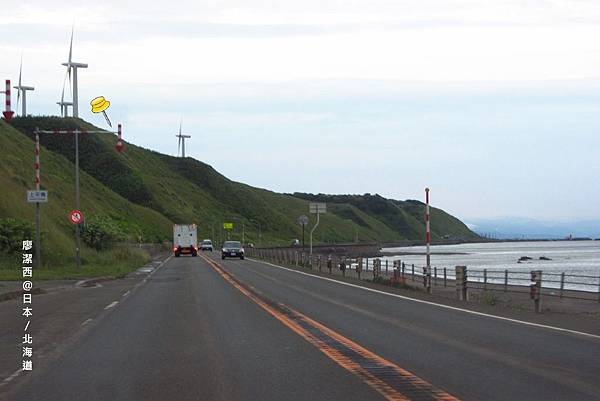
(174, 249)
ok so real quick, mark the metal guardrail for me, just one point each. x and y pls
(555, 284)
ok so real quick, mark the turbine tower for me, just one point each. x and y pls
(22, 90)
(72, 66)
(181, 144)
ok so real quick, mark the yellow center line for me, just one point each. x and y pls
(299, 322)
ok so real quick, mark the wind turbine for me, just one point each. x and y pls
(21, 89)
(73, 66)
(181, 144)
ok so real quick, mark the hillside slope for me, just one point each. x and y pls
(186, 190)
(58, 177)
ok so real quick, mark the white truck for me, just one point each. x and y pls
(185, 240)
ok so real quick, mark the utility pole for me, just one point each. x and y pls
(316, 208)
(77, 203)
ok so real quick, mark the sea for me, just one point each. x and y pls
(578, 260)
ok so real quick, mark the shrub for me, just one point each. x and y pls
(101, 232)
(12, 234)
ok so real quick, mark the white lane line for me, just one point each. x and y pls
(87, 321)
(11, 377)
(127, 293)
(581, 333)
(112, 304)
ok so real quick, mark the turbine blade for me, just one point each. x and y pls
(20, 70)
(70, 81)
(62, 96)
(19, 89)
(71, 46)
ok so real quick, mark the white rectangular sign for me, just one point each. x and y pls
(316, 207)
(37, 196)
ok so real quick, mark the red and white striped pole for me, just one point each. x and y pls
(38, 223)
(7, 112)
(37, 162)
(427, 228)
(119, 146)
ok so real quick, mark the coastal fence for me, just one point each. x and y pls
(553, 284)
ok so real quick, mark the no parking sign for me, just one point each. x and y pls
(76, 217)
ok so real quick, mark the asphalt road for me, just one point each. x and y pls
(244, 330)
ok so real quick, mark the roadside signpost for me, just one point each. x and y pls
(76, 217)
(228, 227)
(303, 221)
(316, 208)
(37, 196)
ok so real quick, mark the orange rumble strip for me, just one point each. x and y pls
(390, 380)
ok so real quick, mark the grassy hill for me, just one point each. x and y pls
(145, 192)
(16, 177)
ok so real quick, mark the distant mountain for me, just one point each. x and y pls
(145, 192)
(518, 228)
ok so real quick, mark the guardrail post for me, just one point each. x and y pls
(367, 264)
(402, 267)
(329, 263)
(296, 258)
(427, 279)
(376, 268)
(461, 283)
(359, 267)
(445, 277)
(310, 261)
(562, 283)
(535, 289)
(505, 280)
(435, 276)
(485, 279)
(386, 267)
(319, 262)
(413, 272)
(598, 288)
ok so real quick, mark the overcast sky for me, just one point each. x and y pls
(495, 105)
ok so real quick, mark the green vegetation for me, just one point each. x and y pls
(115, 263)
(137, 195)
(101, 232)
(12, 232)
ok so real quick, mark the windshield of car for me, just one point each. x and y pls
(232, 244)
(207, 242)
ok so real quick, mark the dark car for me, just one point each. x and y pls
(232, 249)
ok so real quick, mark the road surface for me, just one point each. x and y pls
(206, 329)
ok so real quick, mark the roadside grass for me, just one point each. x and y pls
(114, 263)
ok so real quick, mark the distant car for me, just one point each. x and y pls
(295, 242)
(232, 249)
(206, 245)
